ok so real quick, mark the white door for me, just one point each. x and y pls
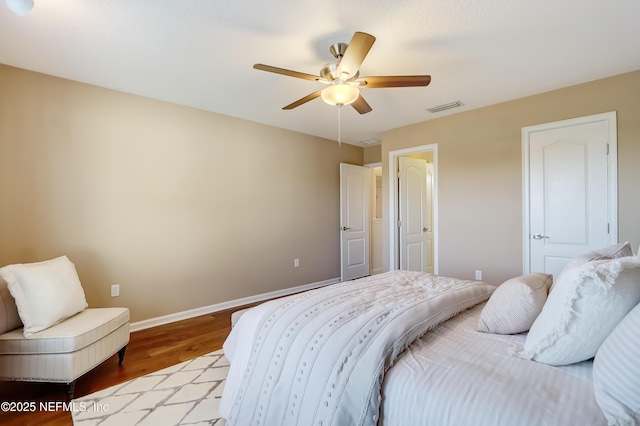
(572, 190)
(414, 214)
(354, 221)
(429, 220)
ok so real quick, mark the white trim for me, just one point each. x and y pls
(526, 230)
(192, 313)
(373, 165)
(610, 117)
(393, 202)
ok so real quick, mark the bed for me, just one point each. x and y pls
(403, 348)
(455, 375)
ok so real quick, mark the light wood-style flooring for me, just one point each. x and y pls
(149, 350)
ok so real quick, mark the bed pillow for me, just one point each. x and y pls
(616, 372)
(515, 304)
(616, 251)
(587, 303)
(9, 318)
(613, 251)
(45, 292)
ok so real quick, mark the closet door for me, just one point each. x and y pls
(571, 197)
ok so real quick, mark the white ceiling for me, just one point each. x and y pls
(200, 53)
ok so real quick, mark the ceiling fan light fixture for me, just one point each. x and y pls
(340, 94)
(20, 7)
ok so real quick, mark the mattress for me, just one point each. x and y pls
(455, 375)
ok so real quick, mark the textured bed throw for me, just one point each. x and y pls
(318, 358)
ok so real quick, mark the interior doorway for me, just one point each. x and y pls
(361, 222)
(355, 207)
(376, 238)
(413, 207)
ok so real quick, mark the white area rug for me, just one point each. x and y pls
(184, 394)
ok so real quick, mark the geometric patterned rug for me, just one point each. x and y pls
(184, 394)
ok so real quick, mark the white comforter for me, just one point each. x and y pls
(318, 358)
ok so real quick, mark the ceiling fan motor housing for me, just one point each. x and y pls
(330, 72)
(338, 49)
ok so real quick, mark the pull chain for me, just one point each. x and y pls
(339, 127)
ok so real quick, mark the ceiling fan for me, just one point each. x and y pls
(342, 77)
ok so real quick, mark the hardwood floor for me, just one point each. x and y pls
(149, 350)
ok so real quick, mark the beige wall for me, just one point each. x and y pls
(373, 154)
(480, 171)
(181, 207)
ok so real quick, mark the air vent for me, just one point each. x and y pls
(445, 107)
(370, 141)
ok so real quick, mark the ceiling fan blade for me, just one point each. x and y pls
(354, 55)
(361, 105)
(395, 81)
(304, 100)
(290, 73)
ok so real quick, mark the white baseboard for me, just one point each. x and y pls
(179, 316)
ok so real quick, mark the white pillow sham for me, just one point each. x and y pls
(515, 304)
(45, 292)
(616, 372)
(586, 304)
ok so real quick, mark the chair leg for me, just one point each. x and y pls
(71, 388)
(121, 354)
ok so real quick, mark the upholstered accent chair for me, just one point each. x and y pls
(63, 351)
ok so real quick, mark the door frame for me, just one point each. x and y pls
(612, 159)
(394, 203)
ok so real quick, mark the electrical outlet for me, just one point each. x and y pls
(115, 290)
(296, 263)
(478, 274)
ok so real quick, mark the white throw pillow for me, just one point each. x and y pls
(45, 292)
(616, 372)
(9, 318)
(515, 304)
(586, 304)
